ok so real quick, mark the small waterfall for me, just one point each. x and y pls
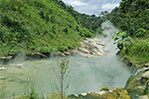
(142, 69)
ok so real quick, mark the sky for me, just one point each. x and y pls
(93, 6)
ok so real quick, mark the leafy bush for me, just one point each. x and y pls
(137, 52)
(122, 39)
(141, 32)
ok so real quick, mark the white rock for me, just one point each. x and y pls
(100, 54)
(145, 75)
(91, 47)
(2, 68)
(83, 94)
(111, 90)
(101, 92)
(76, 95)
(143, 97)
(84, 50)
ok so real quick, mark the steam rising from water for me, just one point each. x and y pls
(86, 74)
(109, 30)
(104, 71)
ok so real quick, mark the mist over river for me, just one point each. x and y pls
(85, 74)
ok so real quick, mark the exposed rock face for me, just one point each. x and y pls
(116, 93)
(91, 47)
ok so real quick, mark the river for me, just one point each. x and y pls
(85, 74)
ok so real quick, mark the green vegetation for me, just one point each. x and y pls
(132, 18)
(139, 51)
(91, 22)
(132, 15)
(62, 75)
(37, 26)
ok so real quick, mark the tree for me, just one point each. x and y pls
(104, 13)
(62, 75)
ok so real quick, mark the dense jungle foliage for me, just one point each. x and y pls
(132, 17)
(38, 26)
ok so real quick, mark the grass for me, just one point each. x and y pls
(138, 52)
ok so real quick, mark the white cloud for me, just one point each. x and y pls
(93, 6)
(75, 2)
(109, 6)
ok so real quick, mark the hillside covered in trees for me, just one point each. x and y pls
(92, 22)
(132, 17)
(38, 26)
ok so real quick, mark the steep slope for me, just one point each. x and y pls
(37, 26)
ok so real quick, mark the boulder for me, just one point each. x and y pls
(60, 53)
(83, 94)
(145, 75)
(38, 54)
(2, 68)
(83, 50)
(6, 58)
(73, 97)
(67, 53)
(137, 84)
(102, 92)
(143, 97)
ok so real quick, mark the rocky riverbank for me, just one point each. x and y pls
(114, 93)
(138, 84)
(88, 47)
(91, 47)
